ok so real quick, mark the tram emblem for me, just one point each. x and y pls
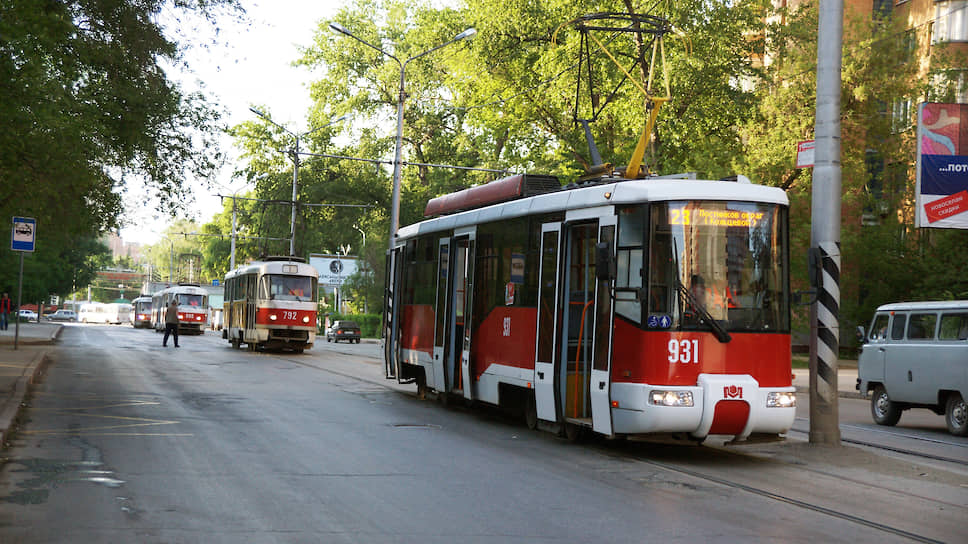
(732, 392)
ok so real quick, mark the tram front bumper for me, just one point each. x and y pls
(732, 405)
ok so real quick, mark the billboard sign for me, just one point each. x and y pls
(333, 269)
(942, 172)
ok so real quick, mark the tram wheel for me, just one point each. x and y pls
(531, 413)
(883, 409)
(956, 415)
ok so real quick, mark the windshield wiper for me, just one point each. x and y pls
(718, 329)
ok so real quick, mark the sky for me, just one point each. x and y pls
(249, 65)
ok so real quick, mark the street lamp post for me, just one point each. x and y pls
(395, 202)
(295, 169)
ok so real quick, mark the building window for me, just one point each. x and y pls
(902, 115)
(950, 21)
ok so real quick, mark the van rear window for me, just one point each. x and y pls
(953, 327)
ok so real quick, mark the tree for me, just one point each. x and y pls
(85, 107)
(877, 159)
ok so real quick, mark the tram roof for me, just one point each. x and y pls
(274, 267)
(639, 191)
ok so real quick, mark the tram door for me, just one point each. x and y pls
(460, 372)
(391, 313)
(578, 316)
(442, 326)
(586, 318)
(600, 389)
(548, 322)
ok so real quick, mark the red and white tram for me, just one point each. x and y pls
(624, 306)
(141, 312)
(193, 309)
(271, 304)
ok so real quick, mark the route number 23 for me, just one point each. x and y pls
(684, 351)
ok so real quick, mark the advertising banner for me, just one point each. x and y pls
(942, 176)
(333, 269)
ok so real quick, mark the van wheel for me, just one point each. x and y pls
(956, 415)
(883, 409)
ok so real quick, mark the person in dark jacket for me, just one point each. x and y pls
(4, 310)
(171, 323)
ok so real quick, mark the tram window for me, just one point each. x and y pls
(727, 257)
(629, 260)
(953, 327)
(285, 287)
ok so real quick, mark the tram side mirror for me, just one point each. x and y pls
(604, 262)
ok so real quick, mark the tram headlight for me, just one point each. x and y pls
(272, 317)
(305, 319)
(781, 399)
(670, 398)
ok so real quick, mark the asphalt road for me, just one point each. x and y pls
(127, 441)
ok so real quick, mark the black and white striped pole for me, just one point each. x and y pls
(825, 229)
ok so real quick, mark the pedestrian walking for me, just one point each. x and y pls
(171, 323)
(4, 310)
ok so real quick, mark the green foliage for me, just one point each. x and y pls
(742, 97)
(369, 323)
(85, 107)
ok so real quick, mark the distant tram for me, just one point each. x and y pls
(271, 304)
(193, 310)
(626, 307)
(141, 312)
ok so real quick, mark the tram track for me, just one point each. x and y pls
(792, 501)
(853, 511)
(895, 449)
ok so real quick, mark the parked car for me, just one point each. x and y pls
(27, 315)
(63, 315)
(343, 330)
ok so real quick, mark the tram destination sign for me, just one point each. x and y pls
(697, 216)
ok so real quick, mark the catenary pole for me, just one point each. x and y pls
(825, 228)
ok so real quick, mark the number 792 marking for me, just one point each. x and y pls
(684, 351)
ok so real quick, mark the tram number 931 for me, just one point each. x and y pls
(684, 351)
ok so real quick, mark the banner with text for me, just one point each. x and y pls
(333, 269)
(942, 176)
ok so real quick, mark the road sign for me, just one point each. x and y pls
(805, 153)
(22, 238)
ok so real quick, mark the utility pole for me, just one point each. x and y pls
(825, 229)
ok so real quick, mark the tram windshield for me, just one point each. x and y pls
(717, 265)
(192, 300)
(285, 287)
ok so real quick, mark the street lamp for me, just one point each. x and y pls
(295, 168)
(395, 203)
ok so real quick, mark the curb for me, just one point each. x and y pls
(15, 401)
(841, 394)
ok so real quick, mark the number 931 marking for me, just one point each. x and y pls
(684, 351)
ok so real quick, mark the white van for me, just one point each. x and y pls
(916, 356)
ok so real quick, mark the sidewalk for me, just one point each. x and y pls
(846, 380)
(19, 367)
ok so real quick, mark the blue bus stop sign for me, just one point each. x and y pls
(22, 237)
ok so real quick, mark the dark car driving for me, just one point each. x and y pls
(343, 330)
